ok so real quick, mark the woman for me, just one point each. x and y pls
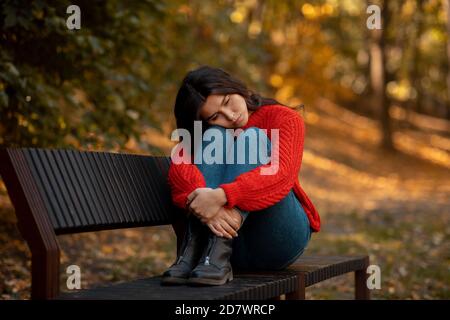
(238, 217)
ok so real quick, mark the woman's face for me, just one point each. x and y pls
(225, 110)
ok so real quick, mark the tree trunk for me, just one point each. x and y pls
(378, 77)
(416, 56)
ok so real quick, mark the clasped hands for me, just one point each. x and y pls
(207, 204)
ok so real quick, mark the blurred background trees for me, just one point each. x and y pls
(101, 85)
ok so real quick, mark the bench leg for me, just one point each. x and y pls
(361, 276)
(299, 294)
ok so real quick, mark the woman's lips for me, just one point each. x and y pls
(238, 119)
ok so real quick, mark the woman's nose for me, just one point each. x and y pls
(229, 114)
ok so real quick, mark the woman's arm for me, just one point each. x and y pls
(183, 179)
(253, 191)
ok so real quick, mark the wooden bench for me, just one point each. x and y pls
(56, 192)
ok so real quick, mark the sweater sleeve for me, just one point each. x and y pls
(184, 178)
(253, 191)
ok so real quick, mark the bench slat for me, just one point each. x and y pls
(320, 268)
(144, 164)
(109, 181)
(139, 188)
(88, 186)
(76, 191)
(53, 201)
(245, 287)
(99, 195)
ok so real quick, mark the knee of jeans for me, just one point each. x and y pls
(257, 130)
(220, 140)
(255, 145)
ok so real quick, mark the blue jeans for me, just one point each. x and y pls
(271, 238)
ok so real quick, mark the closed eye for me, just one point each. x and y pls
(213, 117)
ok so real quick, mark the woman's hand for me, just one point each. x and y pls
(206, 202)
(225, 223)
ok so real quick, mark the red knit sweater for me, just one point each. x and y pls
(252, 191)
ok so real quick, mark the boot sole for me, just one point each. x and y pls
(210, 282)
(173, 281)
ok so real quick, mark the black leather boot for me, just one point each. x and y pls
(194, 242)
(214, 267)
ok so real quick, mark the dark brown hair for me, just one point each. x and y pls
(198, 84)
